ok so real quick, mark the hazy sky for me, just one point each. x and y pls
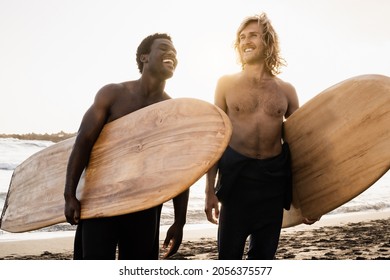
(55, 55)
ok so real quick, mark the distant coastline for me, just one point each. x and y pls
(55, 137)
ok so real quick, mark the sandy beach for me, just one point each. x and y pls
(359, 236)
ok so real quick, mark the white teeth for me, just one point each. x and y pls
(168, 61)
(248, 50)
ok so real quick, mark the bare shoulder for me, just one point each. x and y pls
(226, 82)
(111, 89)
(224, 85)
(289, 91)
(287, 87)
(228, 79)
(111, 92)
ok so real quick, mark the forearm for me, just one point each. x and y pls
(73, 174)
(180, 204)
(78, 160)
(210, 179)
(211, 201)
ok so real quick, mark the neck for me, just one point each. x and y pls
(151, 86)
(257, 70)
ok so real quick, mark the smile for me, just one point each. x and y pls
(170, 61)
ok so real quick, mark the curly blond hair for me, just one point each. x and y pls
(273, 60)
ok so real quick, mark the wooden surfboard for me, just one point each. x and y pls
(139, 161)
(340, 145)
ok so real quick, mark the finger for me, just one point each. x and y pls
(216, 213)
(76, 217)
(172, 249)
(72, 222)
(69, 218)
(167, 242)
(310, 221)
(209, 215)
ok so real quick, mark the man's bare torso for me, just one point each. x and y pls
(256, 108)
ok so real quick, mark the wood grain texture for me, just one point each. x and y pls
(340, 145)
(139, 161)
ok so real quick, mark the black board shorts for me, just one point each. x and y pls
(135, 235)
(275, 170)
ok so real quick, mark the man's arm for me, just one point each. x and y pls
(91, 125)
(292, 97)
(211, 200)
(175, 232)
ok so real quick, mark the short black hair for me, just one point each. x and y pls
(145, 47)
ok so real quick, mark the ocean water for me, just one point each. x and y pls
(13, 152)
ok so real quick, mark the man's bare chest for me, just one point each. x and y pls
(257, 101)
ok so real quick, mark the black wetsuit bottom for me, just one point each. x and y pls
(258, 190)
(136, 236)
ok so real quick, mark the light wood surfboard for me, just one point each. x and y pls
(139, 161)
(340, 145)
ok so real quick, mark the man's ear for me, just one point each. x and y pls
(144, 58)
